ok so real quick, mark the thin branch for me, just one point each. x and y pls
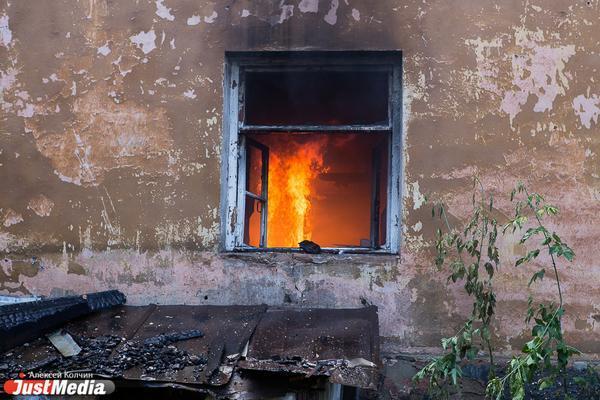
(539, 221)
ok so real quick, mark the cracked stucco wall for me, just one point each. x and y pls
(110, 146)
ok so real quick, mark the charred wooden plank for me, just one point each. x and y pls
(22, 322)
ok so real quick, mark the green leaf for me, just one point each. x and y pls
(485, 333)
(471, 353)
(561, 249)
(532, 231)
(529, 346)
(556, 238)
(455, 374)
(533, 254)
(546, 383)
(520, 221)
(446, 342)
(489, 269)
(530, 256)
(580, 381)
(550, 210)
(519, 393)
(494, 388)
(568, 253)
(537, 276)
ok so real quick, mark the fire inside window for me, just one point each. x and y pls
(315, 154)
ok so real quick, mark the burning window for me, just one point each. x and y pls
(313, 144)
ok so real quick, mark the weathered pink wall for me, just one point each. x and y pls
(110, 147)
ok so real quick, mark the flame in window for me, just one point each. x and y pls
(291, 192)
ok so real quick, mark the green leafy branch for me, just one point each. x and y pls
(462, 252)
(548, 341)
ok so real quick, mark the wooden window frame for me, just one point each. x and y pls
(262, 198)
(233, 189)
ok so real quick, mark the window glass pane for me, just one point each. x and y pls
(316, 98)
(254, 170)
(320, 187)
(252, 222)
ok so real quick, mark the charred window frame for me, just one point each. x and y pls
(235, 191)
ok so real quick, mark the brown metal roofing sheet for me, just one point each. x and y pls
(317, 334)
(309, 342)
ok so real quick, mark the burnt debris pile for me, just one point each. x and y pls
(208, 348)
(112, 356)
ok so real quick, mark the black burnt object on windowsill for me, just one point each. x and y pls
(22, 322)
(310, 247)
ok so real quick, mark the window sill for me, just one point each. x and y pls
(326, 250)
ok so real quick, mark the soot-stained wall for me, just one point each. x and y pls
(110, 150)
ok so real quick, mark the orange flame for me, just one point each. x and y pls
(292, 172)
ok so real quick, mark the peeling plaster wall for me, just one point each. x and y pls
(110, 149)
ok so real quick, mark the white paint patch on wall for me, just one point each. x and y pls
(487, 53)
(539, 72)
(211, 18)
(104, 50)
(193, 20)
(41, 205)
(190, 94)
(208, 235)
(587, 109)
(287, 12)
(245, 13)
(163, 11)
(11, 217)
(5, 32)
(311, 6)
(211, 121)
(331, 16)
(8, 242)
(7, 80)
(27, 111)
(418, 226)
(146, 41)
(20, 104)
(418, 198)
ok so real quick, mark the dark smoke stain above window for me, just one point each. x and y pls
(316, 98)
(313, 154)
